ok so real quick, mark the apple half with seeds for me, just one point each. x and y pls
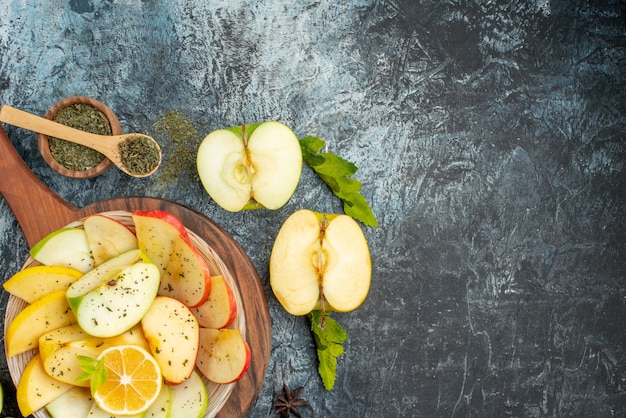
(251, 166)
(320, 261)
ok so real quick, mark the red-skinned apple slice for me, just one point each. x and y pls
(220, 309)
(156, 232)
(172, 332)
(223, 355)
(107, 237)
(187, 276)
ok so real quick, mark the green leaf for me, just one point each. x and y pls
(93, 370)
(329, 338)
(336, 172)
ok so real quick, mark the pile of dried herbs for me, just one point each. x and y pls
(182, 137)
(85, 118)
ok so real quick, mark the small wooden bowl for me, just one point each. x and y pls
(44, 145)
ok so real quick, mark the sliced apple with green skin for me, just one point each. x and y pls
(50, 312)
(97, 412)
(223, 355)
(75, 403)
(66, 247)
(35, 282)
(162, 406)
(113, 297)
(107, 237)
(220, 309)
(187, 276)
(189, 399)
(173, 333)
(36, 389)
(320, 261)
(252, 166)
(59, 350)
(156, 231)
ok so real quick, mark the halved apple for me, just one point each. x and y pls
(189, 399)
(36, 389)
(172, 332)
(50, 312)
(66, 247)
(320, 261)
(156, 231)
(223, 356)
(107, 237)
(187, 276)
(220, 309)
(251, 166)
(35, 282)
(114, 296)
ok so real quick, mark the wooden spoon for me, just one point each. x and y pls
(107, 145)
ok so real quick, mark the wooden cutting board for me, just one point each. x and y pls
(40, 211)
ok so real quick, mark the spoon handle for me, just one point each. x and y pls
(35, 123)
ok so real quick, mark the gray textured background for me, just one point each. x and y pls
(490, 141)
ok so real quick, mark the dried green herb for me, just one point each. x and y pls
(85, 118)
(183, 138)
(138, 154)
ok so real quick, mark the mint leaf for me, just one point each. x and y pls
(336, 172)
(93, 370)
(329, 338)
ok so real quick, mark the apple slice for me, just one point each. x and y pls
(66, 247)
(162, 406)
(36, 389)
(114, 296)
(107, 237)
(97, 412)
(35, 282)
(172, 332)
(59, 350)
(156, 232)
(189, 399)
(50, 312)
(251, 166)
(223, 356)
(320, 262)
(220, 309)
(75, 403)
(187, 276)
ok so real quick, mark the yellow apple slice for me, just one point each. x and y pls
(36, 389)
(257, 165)
(59, 349)
(320, 262)
(35, 282)
(50, 312)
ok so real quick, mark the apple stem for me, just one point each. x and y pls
(244, 135)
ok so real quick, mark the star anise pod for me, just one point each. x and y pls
(288, 402)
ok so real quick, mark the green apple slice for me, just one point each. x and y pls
(162, 406)
(65, 247)
(75, 403)
(114, 296)
(190, 398)
(253, 166)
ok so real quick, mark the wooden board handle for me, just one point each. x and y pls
(37, 209)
